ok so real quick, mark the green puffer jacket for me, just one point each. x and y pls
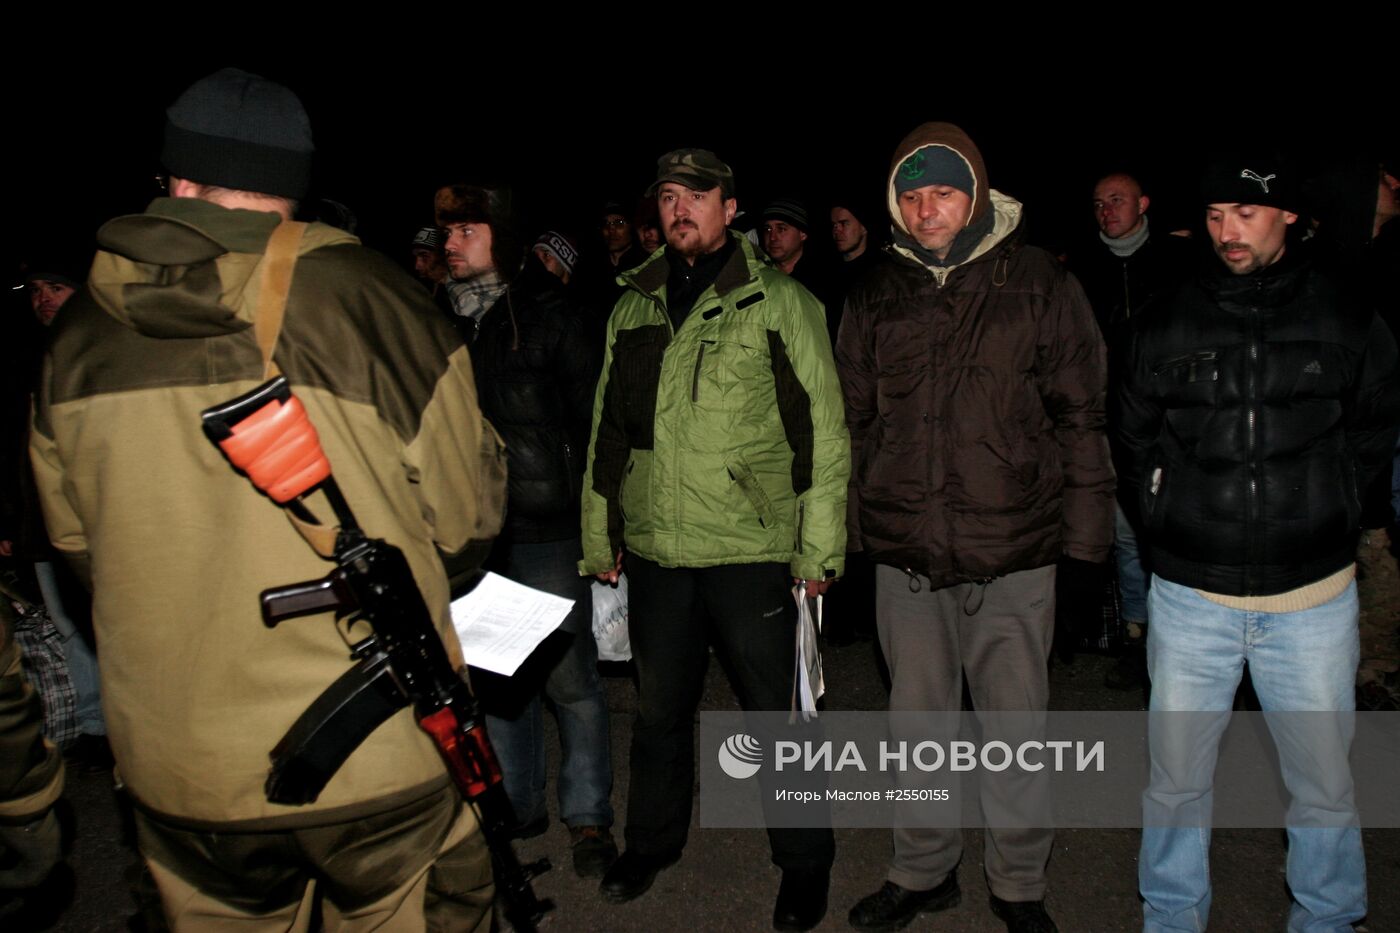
(724, 442)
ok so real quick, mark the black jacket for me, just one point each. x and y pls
(1121, 286)
(535, 375)
(1252, 410)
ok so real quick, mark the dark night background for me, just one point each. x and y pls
(571, 126)
(571, 115)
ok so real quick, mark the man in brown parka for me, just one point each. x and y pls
(974, 378)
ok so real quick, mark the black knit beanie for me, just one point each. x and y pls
(789, 211)
(239, 130)
(1250, 178)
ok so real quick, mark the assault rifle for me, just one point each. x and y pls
(266, 434)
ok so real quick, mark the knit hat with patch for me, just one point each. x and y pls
(934, 165)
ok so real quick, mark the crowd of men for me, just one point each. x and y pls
(944, 432)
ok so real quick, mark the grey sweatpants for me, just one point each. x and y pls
(1000, 634)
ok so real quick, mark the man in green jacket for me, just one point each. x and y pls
(718, 464)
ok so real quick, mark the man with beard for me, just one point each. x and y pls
(718, 467)
(1256, 403)
(535, 373)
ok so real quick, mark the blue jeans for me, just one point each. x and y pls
(1132, 578)
(565, 665)
(1305, 660)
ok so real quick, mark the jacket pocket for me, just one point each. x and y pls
(699, 365)
(1191, 367)
(743, 477)
(1188, 379)
(727, 367)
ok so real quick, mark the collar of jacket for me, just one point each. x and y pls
(1271, 287)
(742, 268)
(1006, 233)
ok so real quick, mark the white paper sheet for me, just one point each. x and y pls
(500, 622)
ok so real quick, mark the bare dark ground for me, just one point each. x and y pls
(725, 880)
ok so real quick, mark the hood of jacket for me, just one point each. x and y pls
(949, 137)
(189, 268)
(1005, 211)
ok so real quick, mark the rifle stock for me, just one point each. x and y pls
(403, 661)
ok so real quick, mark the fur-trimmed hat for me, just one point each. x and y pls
(494, 207)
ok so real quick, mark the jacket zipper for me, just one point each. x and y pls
(801, 514)
(1251, 415)
(695, 380)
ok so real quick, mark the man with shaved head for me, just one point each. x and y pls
(1121, 273)
(1131, 263)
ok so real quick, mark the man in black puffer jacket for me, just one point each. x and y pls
(1255, 405)
(535, 374)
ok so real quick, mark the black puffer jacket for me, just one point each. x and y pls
(1252, 409)
(536, 371)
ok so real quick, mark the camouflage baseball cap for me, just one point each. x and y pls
(697, 169)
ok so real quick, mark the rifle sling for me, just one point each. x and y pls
(279, 260)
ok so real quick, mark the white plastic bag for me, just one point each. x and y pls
(610, 620)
